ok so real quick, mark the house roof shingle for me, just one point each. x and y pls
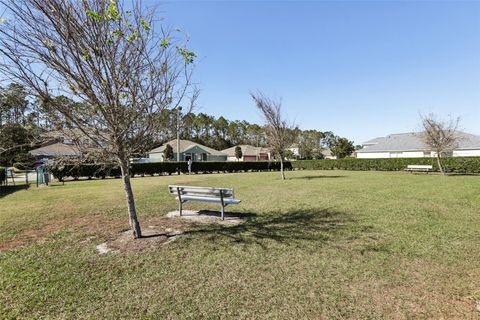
(186, 145)
(55, 150)
(412, 141)
(247, 150)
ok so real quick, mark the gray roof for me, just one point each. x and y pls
(185, 145)
(373, 141)
(56, 150)
(247, 150)
(412, 141)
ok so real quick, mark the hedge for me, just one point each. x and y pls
(63, 171)
(455, 165)
(22, 166)
(3, 175)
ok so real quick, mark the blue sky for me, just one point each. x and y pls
(360, 69)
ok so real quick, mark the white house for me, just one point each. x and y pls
(295, 150)
(410, 145)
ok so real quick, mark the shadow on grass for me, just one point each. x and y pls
(228, 215)
(6, 190)
(315, 177)
(291, 228)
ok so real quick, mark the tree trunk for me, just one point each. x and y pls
(281, 168)
(440, 164)
(132, 211)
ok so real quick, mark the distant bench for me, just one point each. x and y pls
(419, 168)
(223, 196)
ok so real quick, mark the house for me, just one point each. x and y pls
(327, 154)
(410, 145)
(249, 153)
(295, 150)
(71, 137)
(55, 150)
(188, 150)
(295, 153)
(58, 144)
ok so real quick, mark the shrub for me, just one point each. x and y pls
(22, 166)
(3, 175)
(23, 161)
(456, 165)
(158, 168)
(62, 171)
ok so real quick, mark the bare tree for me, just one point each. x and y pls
(111, 60)
(440, 136)
(279, 131)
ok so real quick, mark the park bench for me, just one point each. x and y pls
(419, 168)
(223, 196)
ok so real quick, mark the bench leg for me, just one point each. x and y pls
(180, 204)
(223, 212)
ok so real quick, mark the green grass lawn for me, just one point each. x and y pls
(323, 244)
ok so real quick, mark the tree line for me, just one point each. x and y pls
(220, 133)
(23, 120)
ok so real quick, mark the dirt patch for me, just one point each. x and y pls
(94, 224)
(162, 231)
(152, 237)
(116, 231)
(93, 227)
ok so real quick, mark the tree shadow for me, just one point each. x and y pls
(146, 235)
(227, 215)
(292, 228)
(6, 190)
(315, 177)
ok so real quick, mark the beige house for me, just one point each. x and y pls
(327, 153)
(66, 143)
(56, 150)
(249, 153)
(188, 150)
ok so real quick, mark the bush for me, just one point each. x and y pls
(3, 175)
(23, 161)
(62, 171)
(455, 165)
(237, 166)
(22, 166)
(158, 168)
